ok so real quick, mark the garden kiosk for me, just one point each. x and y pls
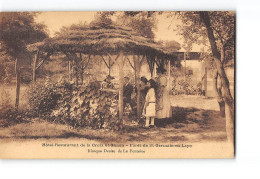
(105, 40)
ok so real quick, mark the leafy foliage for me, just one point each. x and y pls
(43, 97)
(183, 87)
(17, 29)
(8, 71)
(103, 18)
(171, 46)
(85, 106)
(143, 22)
(223, 26)
(8, 115)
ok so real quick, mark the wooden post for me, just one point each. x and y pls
(81, 69)
(70, 73)
(184, 66)
(206, 81)
(18, 83)
(136, 84)
(77, 70)
(154, 71)
(169, 73)
(137, 62)
(121, 85)
(109, 64)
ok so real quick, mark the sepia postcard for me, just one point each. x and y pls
(117, 84)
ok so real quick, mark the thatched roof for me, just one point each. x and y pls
(99, 39)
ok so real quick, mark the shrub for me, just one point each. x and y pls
(5, 100)
(8, 115)
(6, 73)
(84, 106)
(185, 88)
(44, 97)
(89, 106)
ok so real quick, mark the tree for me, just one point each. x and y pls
(17, 29)
(103, 18)
(171, 46)
(219, 57)
(216, 30)
(142, 22)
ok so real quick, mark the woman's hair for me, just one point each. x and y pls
(152, 83)
(161, 70)
(143, 79)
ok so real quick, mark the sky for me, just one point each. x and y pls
(55, 20)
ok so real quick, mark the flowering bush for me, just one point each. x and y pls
(185, 87)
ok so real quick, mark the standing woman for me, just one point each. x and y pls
(149, 106)
(163, 107)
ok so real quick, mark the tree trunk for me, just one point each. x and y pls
(222, 107)
(229, 115)
(219, 96)
(34, 66)
(228, 99)
(18, 84)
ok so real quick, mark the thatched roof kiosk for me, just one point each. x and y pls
(103, 39)
(99, 39)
